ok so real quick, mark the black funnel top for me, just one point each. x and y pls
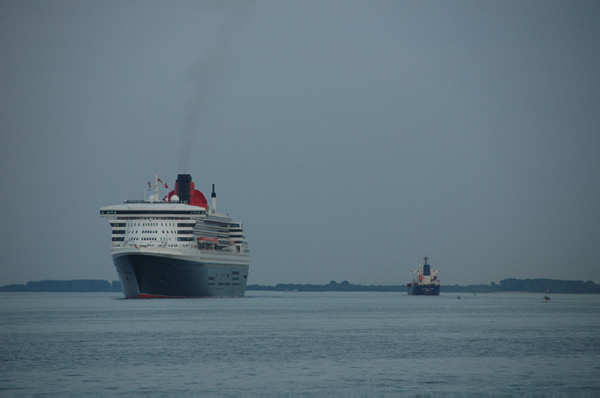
(183, 187)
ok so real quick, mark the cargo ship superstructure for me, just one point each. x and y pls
(426, 282)
(179, 246)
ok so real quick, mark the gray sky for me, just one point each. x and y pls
(350, 137)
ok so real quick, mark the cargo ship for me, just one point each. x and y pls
(177, 246)
(426, 282)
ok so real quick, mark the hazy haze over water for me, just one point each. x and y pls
(350, 137)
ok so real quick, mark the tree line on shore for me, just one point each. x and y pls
(505, 285)
(76, 285)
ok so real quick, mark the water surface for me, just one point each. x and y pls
(300, 343)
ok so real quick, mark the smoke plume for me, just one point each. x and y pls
(209, 71)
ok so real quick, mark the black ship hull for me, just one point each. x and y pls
(424, 290)
(153, 276)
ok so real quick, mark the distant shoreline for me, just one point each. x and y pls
(505, 285)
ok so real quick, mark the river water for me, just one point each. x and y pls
(297, 343)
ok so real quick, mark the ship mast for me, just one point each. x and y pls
(213, 204)
(155, 185)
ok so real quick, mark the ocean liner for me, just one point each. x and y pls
(426, 283)
(178, 246)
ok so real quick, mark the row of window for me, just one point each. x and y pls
(122, 232)
(179, 238)
(156, 224)
(212, 278)
(122, 238)
(108, 212)
(226, 284)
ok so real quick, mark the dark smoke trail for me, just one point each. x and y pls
(209, 70)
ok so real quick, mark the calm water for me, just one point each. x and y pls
(300, 343)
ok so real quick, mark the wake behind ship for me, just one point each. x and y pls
(426, 283)
(179, 246)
